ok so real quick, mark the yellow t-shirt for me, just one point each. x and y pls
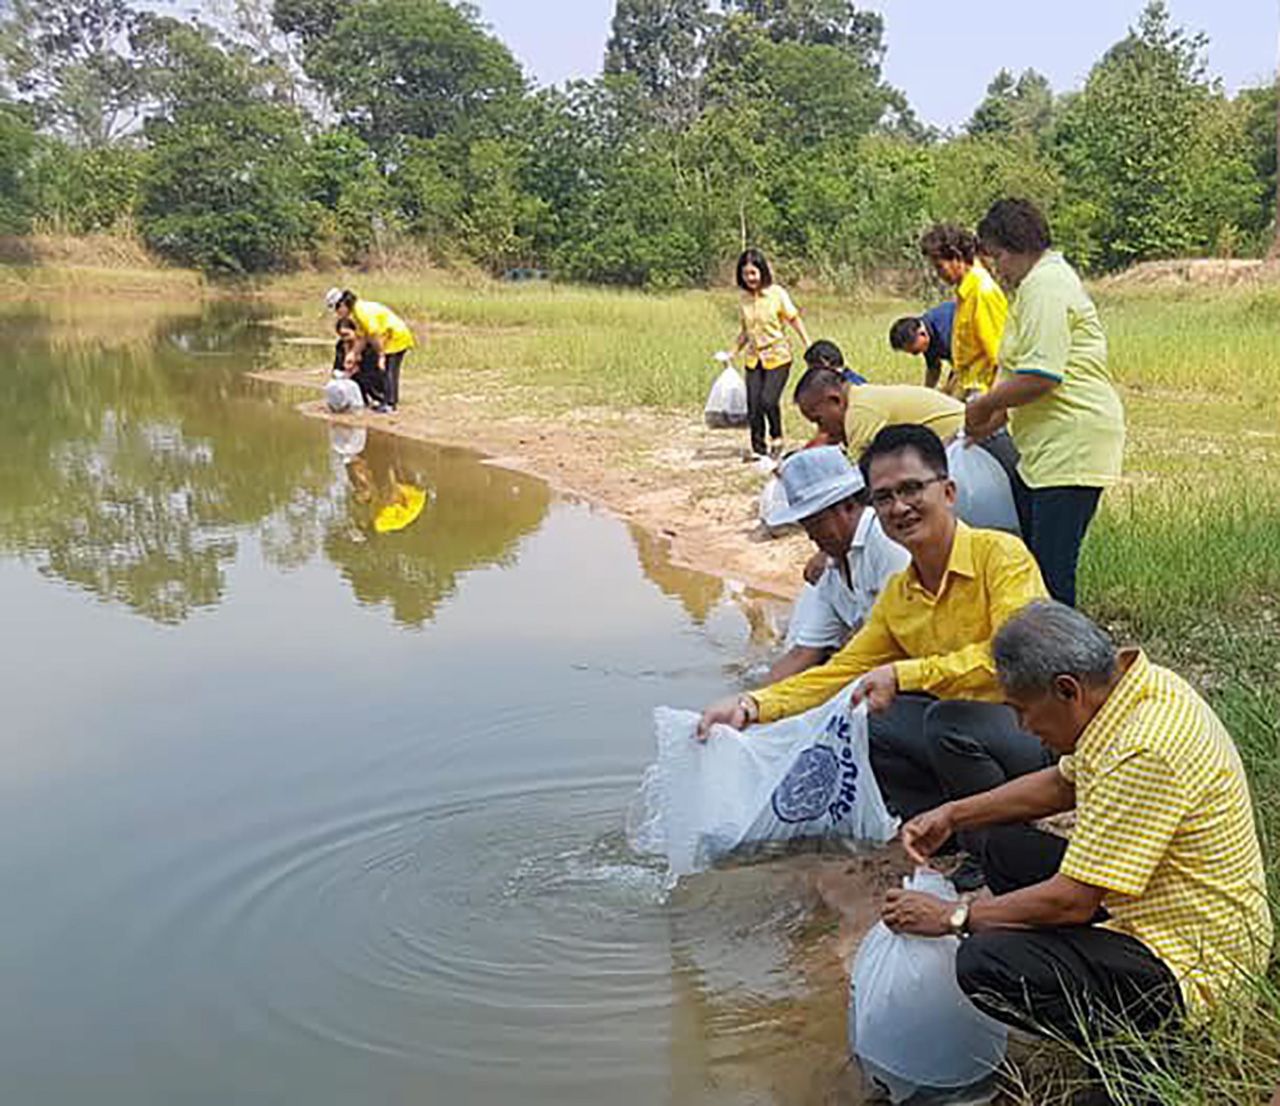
(764, 319)
(981, 310)
(1074, 435)
(1164, 825)
(376, 320)
(938, 644)
(873, 406)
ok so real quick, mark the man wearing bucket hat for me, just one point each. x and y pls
(827, 496)
(939, 727)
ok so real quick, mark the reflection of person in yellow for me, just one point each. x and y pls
(395, 503)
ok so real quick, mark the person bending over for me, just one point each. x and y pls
(1156, 909)
(981, 309)
(927, 335)
(827, 496)
(852, 414)
(379, 327)
(938, 727)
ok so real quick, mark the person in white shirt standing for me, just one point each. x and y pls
(827, 496)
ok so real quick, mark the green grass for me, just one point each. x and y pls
(1184, 556)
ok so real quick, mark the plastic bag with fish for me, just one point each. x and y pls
(727, 403)
(803, 777)
(912, 1029)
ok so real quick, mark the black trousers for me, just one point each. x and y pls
(764, 402)
(394, 361)
(1073, 982)
(925, 751)
(1054, 522)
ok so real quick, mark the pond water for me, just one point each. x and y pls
(316, 751)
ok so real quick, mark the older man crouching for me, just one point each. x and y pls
(1157, 906)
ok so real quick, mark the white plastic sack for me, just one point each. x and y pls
(983, 495)
(773, 498)
(343, 394)
(727, 404)
(804, 777)
(910, 1026)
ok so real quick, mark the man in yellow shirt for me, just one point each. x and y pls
(852, 414)
(981, 309)
(379, 327)
(939, 727)
(1164, 844)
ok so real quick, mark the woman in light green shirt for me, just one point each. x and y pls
(1054, 391)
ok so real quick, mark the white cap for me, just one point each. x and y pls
(332, 297)
(813, 480)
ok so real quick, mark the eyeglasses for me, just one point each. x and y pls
(909, 491)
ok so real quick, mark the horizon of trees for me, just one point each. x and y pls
(268, 134)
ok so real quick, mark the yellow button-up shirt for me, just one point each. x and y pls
(377, 320)
(1164, 825)
(939, 644)
(981, 310)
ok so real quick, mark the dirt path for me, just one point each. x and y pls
(683, 483)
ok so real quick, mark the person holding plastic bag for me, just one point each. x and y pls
(766, 310)
(1156, 909)
(827, 496)
(939, 728)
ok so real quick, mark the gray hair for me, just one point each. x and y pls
(1047, 639)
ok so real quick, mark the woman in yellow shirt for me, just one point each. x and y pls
(766, 311)
(981, 309)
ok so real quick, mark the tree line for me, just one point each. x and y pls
(265, 135)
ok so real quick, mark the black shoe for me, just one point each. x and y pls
(969, 876)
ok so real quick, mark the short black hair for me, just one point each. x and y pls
(902, 436)
(347, 299)
(905, 331)
(347, 323)
(1017, 226)
(948, 242)
(818, 377)
(752, 256)
(824, 354)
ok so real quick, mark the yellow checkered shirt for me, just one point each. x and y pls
(1165, 826)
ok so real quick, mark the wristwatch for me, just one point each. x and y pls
(958, 922)
(749, 707)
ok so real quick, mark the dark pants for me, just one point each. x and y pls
(1071, 982)
(925, 751)
(1054, 522)
(764, 402)
(394, 361)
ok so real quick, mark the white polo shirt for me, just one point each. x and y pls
(827, 613)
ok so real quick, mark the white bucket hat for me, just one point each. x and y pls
(332, 297)
(813, 480)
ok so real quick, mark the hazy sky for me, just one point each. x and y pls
(943, 69)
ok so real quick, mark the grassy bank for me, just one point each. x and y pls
(1184, 557)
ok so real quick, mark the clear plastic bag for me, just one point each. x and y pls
(983, 495)
(773, 498)
(343, 394)
(803, 777)
(910, 1026)
(727, 403)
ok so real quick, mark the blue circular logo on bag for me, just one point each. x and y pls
(808, 787)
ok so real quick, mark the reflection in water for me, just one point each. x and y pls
(419, 516)
(140, 456)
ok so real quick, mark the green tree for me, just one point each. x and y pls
(1022, 106)
(17, 143)
(396, 69)
(818, 23)
(1259, 109)
(225, 190)
(1144, 146)
(662, 44)
(80, 190)
(73, 61)
(971, 173)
